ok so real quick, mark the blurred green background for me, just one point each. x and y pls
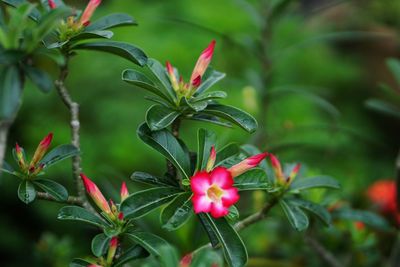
(305, 73)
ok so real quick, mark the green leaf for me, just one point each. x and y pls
(57, 191)
(206, 258)
(367, 217)
(208, 228)
(133, 253)
(10, 92)
(297, 218)
(316, 209)
(100, 244)
(176, 213)
(210, 119)
(40, 78)
(166, 144)
(210, 77)
(195, 106)
(26, 192)
(58, 154)
(147, 178)
(34, 14)
(48, 22)
(168, 256)
(209, 96)
(142, 202)
(74, 213)
(7, 168)
(159, 72)
(148, 241)
(314, 182)
(205, 140)
(254, 179)
(233, 214)
(124, 50)
(92, 35)
(111, 21)
(140, 80)
(233, 247)
(159, 117)
(228, 151)
(80, 263)
(383, 107)
(233, 115)
(394, 66)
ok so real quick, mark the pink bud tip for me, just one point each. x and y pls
(213, 153)
(88, 12)
(17, 148)
(89, 185)
(256, 159)
(186, 260)
(45, 143)
(170, 69)
(120, 216)
(296, 168)
(52, 4)
(209, 51)
(114, 242)
(274, 161)
(196, 81)
(124, 191)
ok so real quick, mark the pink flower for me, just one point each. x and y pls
(96, 195)
(88, 12)
(213, 192)
(247, 164)
(202, 64)
(124, 191)
(40, 151)
(52, 4)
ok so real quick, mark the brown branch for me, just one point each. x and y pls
(322, 252)
(73, 108)
(71, 199)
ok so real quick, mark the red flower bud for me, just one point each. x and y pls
(202, 64)
(186, 260)
(96, 195)
(124, 191)
(211, 159)
(88, 12)
(112, 249)
(247, 164)
(41, 150)
(52, 4)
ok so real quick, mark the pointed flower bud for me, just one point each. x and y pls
(211, 159)
(186, 260)
(246, 164)
(52, 4)
(120, 216)
(202, 63)
(293, 173)
(20, 156)
(112, 249)
(96, 195)
(124, 191)
(41, 150)
(196, 81)
(276, 166)
(88, 12)
(172, 77)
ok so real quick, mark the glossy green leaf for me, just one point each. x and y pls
(140, 80)
(150, 179)
(367, 217)
(228, 151)
(58, 154)
(316, 209)
(209, 119)
(209, 96)
(92, 35)
(142, 202)
(133, 253)
(176, 213)
(233, 214)
(314, 182)
(159, 117)
(195, 106)
(233, 115)
(26, 192)
(148, 241)
(7, 168)
(49, 21)
(100, 244)
(168, 256)
(10, 92)
(205, 223)
(34, 14)
(79, 263)
(160, 74)
(75, 213)
(205, 140)
(40, 78)
(297, 218)
(394, 66)
(210, 77)
(235, 252)
(254, 179)
(124, 50)
(206, 258)
(383, 107)
(166, 144)
(57, 191)
(111, 21)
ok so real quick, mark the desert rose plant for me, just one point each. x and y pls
(205, 182)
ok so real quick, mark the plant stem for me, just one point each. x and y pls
(4, 127)
(175, 132)
(71, 199)
(324, 254)
(73, 108)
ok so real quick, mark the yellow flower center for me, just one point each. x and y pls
(215, 193)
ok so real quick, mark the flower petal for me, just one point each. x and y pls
(221, 177)
(201, 203)
(200, 183)
(218, 210)
(230, 197)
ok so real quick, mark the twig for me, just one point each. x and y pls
(324, 254)
(71, 199)
(258, 216)
(73, 108)
(4, 127)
